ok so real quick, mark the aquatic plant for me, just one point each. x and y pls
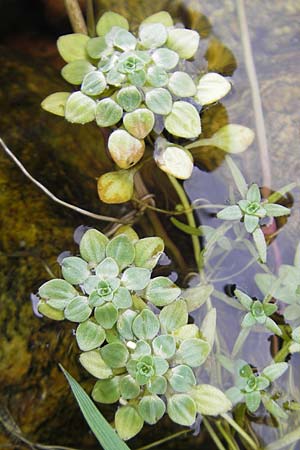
(137, 351)
(140, 85)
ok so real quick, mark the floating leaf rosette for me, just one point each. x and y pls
(136, 82)
(133, 332)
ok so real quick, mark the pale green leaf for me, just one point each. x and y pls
(125, 149)
(128, 422)
(173, 316)
(209, 400)
(183, 121)
(181, 409)
(80, 108)
(108, 113)
(145, 325)
(107, 391)
(174, 160)
(95, 365)
(56, 103)
(139, 123)
(75, 270)
(121, 249)
(78, 309)
(75, 71)
(182, 378)
(211, 88)
(159, 100)
(159, 17)
(237, 176)
(232, 212)
(136, 278)
(152, 35)
(94, 83)
(148, 251)
(92, 246)
(182, 85)
(89, 336)
(116, 187)
(108, 20)
(162, 291)
(260, 243)
(184, 42)
(193, 352)
(165, 58)
(106, 315)
(115, 355)
(72, 47)
(129, 98)
(151, 408)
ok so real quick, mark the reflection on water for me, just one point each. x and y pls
(67, 159)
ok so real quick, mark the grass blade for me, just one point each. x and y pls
(105, 434)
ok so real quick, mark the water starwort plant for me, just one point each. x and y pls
(133, 332)
(137, 84)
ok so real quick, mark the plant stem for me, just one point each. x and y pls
(213, 434)
(75, 16)
(283, 352)
(190, 219)
(229, 439)
(142, 191)
(242, 433)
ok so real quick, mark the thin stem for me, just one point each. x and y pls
(213, 434)
(283, 352)
(200, 143)
(52, 196)
(190, 219)
(229, 439)
(256, 97)
(175, 212)
(244, 333)
(242, 433)
(162, 441)
(75, 16)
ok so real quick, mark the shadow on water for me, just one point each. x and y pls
(69, 158)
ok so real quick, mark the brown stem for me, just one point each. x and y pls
(76, 17)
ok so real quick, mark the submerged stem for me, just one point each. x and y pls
(190, 219)
(242, 433)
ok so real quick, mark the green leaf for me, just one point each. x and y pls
(139, 123)
(186, 332)
(274, 408)
(80, 108)
(248, 321)
(124, 324)
(181, 409)
(209, 400)
(237, 176)
(165, 58)
(197, 296)
(161, 291)
(49, 311)
(57, 289)
(115, 78)
(182, 85)
(92, 246)
(108, 113)
(56, 103)
(109, 20)
(129, 98)
(106, 315)
(116, 187)
(184, 42)
(89, 336)
(96, 47)
(232, 212)
(274, 210)
(181, 378)
(275, 371)
(208, 326)
(174, 160)
(184, 120)
(164, 346)
(104, 433)
(193, 352)
(277, 195)
(135, 278)
(114, 355)
(159, 100)
(145, 325)
(160, 364)
(128, 422)
(244, 299)
(232, 138)
(270, 308)
(193, 231)
(157, 76)
(107, 391)
(148, 251)
(78, 310)
(75, 71)
(121, 249)
(260, 243)
(75, 270)
(158, 385)
(159, 17)
(151, 408)
(122, 298)
(125, 149)
(253, 194)
(137, 78)
(211, 88)
(253, 400)
(251, 223)
(125, 40)
(153, 35)
(107, 269)
(129, 387)
(72, 47)
(95, 365)
(173, 316)
(142, 349)
(94, 83)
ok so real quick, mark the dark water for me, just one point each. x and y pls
(68, 159)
